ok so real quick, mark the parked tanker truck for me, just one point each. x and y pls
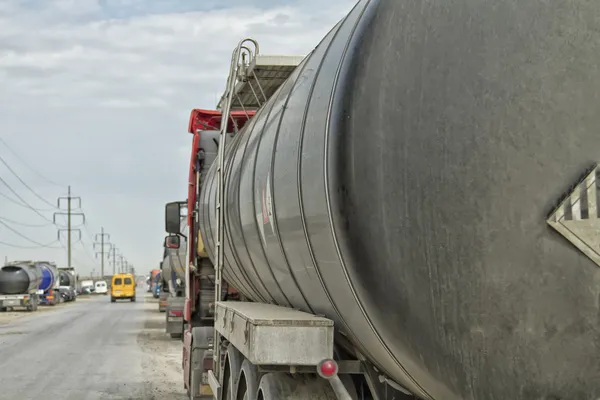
(173, 278)
(19, 285)
(68, 281)
(48, 289)
(412, 211)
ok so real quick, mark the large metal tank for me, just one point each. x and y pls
(19, 278)
(50, 276)
(400, 182)
(66, 278)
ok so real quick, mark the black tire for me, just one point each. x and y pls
(248, 382)
(175, 335)
(113, 300)
(133, 299)
(277, 385)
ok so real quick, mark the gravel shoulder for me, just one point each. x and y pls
(162, 355)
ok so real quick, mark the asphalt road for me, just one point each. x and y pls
(91, 349)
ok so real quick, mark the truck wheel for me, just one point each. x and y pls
(32, 306)
(249, 379)
(3, 309)
(234, 365)
(304, 387)
(176, 335)
(132, 299)
(113, 300)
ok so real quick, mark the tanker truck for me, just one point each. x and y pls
(68, 281)
(163, 292)
(19, 283)
(173, 278)
(412, 212)
(48, 290)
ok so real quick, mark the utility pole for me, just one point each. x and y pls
(121, 263)
(113, 250)
(69, 215)
(101, 239)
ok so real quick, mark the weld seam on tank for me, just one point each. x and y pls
(300, 192)
(231, 271)
(239, 220)
(227, 272)
(272, 192)
(212, 186)
(333, 225)
(231, 223)
(261, 133)
(208, 221)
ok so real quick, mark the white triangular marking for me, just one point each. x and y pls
(581, 230)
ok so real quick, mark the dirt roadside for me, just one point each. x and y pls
(162, 355)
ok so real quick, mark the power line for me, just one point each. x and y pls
(25, 184)
(23, 224)
(21, 235)
(23, 200)
(48, 245)
(27, 165)
(21, 204)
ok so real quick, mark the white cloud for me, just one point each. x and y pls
(96, 94)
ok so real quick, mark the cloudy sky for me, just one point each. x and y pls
(96, 94)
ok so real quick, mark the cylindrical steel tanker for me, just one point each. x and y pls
(50, 275)
(400, 183)
(66, 278)
(19, 278)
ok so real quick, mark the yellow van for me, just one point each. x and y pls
(122, 287)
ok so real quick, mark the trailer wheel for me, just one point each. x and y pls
(248, 382)
(3, 309)
(274, 386)
(32, 306)
(232, 373)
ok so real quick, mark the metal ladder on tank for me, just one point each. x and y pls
(237, 68)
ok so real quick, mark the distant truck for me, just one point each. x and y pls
(67, 281)
(87, 286)
(153, 280)
(19, 285)
(173, 278)
(163, 290)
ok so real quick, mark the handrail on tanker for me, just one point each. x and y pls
(236, 67)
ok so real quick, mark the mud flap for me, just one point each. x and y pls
(200, 363)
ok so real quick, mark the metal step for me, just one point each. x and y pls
(260, 80)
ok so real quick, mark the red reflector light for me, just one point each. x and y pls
(175, 313)
(327, 368)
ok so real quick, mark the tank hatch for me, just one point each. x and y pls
(577, 218)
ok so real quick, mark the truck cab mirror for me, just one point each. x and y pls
(172, 242)
(172, 217)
